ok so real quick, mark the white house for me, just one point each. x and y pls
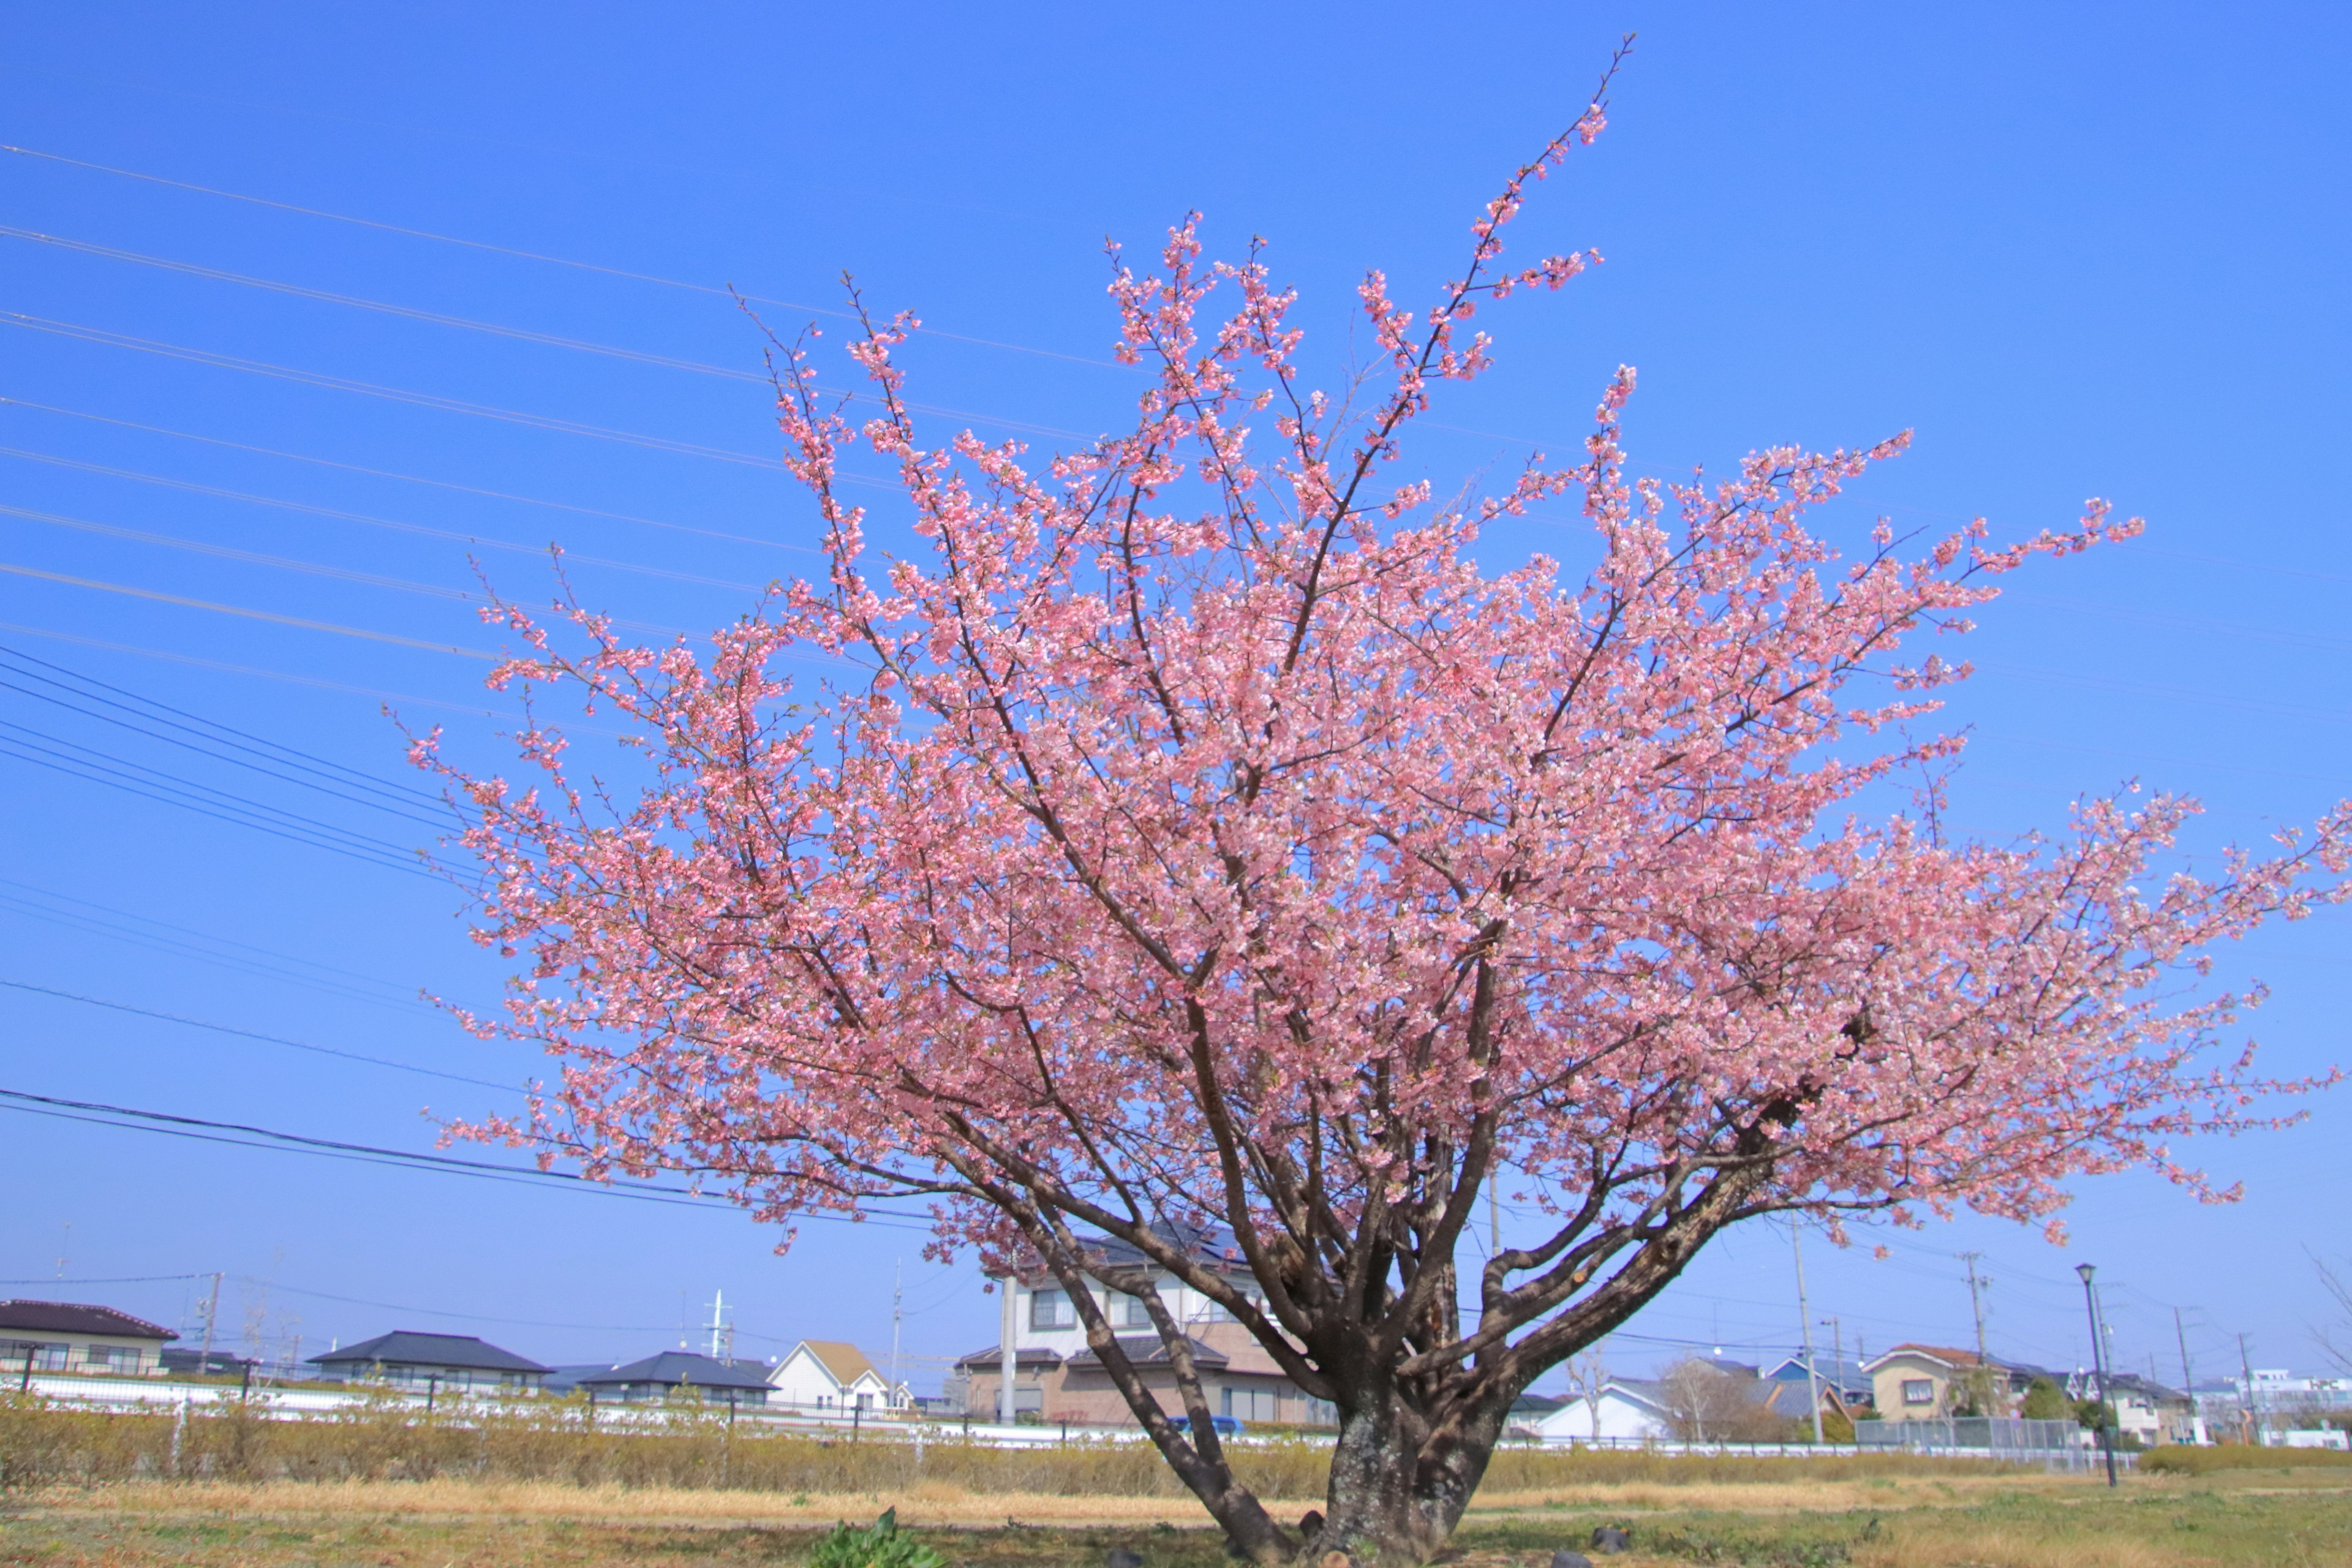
(828, 1376)
(1627, 1410)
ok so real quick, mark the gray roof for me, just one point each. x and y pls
(679, 1369)
(402, 1347)
(989, 1358)
(74, 1318)
(1146, 1349)
(1833, 1372)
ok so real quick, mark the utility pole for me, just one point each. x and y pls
(1005, 1357)
(212, 1312)
(1976, 1308)
(65, 1245)
(2188, 1378)
(1805, 1320)
(2099, 1363)
(1837, 1358)
(2253, 1421)
(898, 1279)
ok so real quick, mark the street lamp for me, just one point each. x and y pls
(2099, 1363)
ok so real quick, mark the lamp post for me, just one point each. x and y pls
(2099, 1363)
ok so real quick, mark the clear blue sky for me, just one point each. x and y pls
(2087, 250)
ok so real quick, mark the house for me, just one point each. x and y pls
(206, 1364)
(1845, 1386)
(2146, 1410)
(1058, 1376)
(69, 1336)
(409, 1360)
(1933, 1383)
(1624, 1410)
(830, 1375)
(679, 1375)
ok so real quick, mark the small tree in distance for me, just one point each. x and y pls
(1202, 839)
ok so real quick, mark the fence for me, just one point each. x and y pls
(2056, 1445)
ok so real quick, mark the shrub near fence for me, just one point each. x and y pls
(558, 1442)
(2179, 1461)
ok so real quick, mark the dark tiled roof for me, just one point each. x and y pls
(1146, 1349)
(1212, 1245)
(1536, 1404)
(989, 1358)
(403, 1348)
(565, 1379)
(74, 1318)
(674, 1369)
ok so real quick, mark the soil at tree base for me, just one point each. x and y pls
(2249, 1520)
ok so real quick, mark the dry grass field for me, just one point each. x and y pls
(2252, 1519)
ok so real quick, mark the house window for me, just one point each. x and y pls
(34, 1356)
(1052, 1309)
(1134, 1312)
(1918, 1391)
(119, 1358)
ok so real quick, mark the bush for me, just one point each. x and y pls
(878, 1545)
(2173, 1460)
(2045, 1401)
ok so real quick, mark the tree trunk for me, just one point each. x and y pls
(1397, 1490)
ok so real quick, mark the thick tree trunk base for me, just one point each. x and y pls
(1392, 1501)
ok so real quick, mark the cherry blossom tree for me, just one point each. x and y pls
(1196, 836)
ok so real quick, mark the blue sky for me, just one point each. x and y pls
(2088, 251)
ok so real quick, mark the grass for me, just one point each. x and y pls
(2300, 1517)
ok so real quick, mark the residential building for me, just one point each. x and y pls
(1059, 1377)
(1933, 1383)
(683, 1375)
(2146, 1410)
(830, 1375)
(200, 1363)
(71, 1336)
(1845, 1386)
(409, 1360)
(1624, 1410)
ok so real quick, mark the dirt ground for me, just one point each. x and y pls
(2241, 1519)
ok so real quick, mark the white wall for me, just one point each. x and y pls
(1620, 1419)
(801, 1383)
(77, 1349)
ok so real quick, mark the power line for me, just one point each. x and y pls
(402, 394)
(206, 1131)
(286, 562)
(210, 1131)
(183, 943)
(403, 479)
(331, 779)
(253, 1035)
(138, 778)
(331, 626)
(525, 255)
(520, 334)
(15, 629)
(394, 524)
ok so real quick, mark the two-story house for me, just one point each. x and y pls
(834, 1378)
(2145, 1411)
(1933, 1383)
(1058, 1377)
